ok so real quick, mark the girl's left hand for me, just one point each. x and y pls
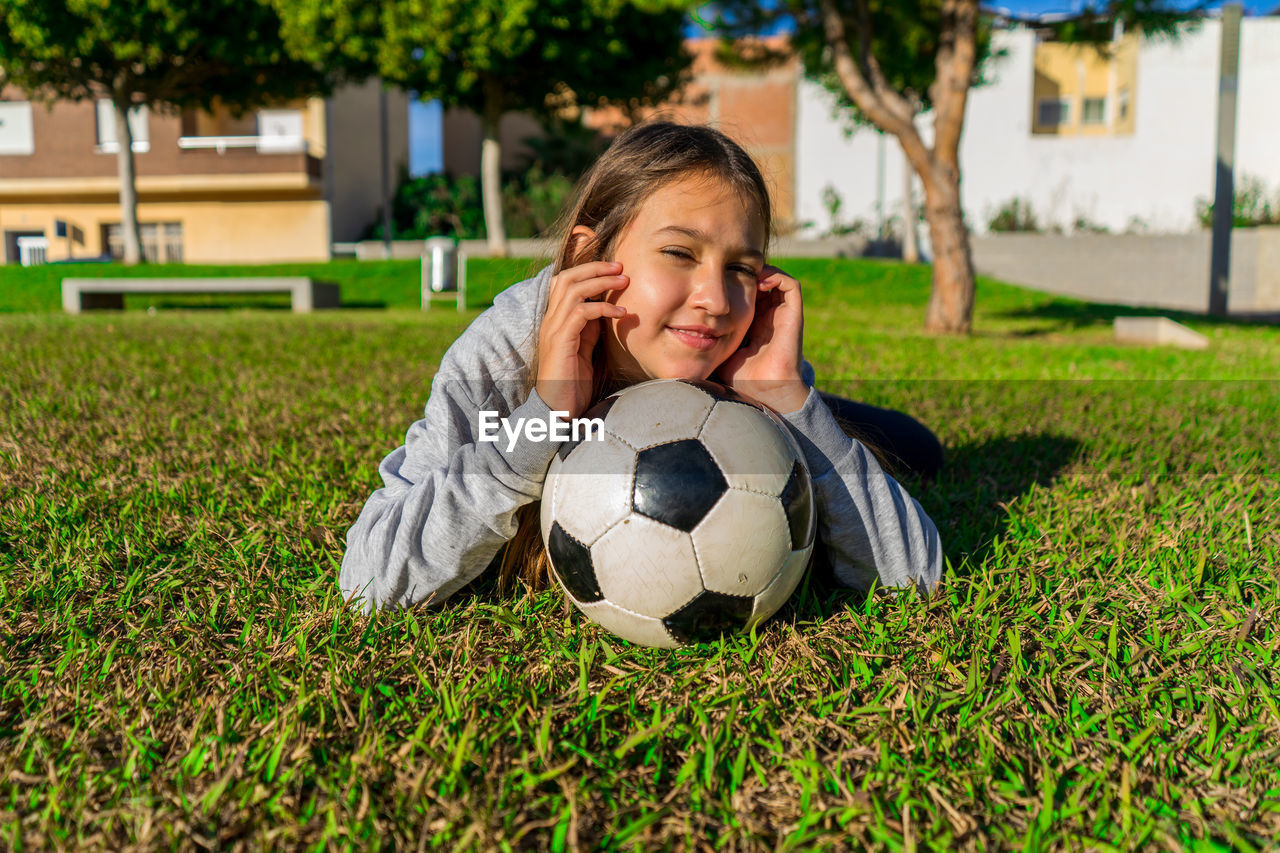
(767, 366)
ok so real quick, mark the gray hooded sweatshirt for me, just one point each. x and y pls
(449, 500)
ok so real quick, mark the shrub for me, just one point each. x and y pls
(532, 196)
(1084, 225)
(1014, 215)
(1250, 206)
(832, 201)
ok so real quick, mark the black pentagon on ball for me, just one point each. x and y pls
(709, 615)
(571, 561)
(722, 393)
(797, 502)
(599, 410)
(677, 483)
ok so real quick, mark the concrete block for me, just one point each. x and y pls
(1160, 331)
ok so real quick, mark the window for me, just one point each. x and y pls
(1052, 112)
(1122, 104)
(1094, 111)
(161, 241)
(280, 130)
(15, 128)
(107, 137)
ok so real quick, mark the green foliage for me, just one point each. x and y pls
(565, 148)
(432, 205)
(533, 200)
(1014, 215)
(438, 204)
(533, 196)
(163, 53)
(1156, 19)
(903, 37)
(497, 54)
(1251, 205)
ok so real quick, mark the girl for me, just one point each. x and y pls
(661, 273)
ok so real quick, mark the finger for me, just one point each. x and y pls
(595, 289)
(594, 269)
(585, 312)
(575, 293)
(778, 280)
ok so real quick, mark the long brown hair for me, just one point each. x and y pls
(642, 160)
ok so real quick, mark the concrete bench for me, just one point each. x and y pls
(84, 294)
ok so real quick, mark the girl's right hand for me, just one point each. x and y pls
(570, 331)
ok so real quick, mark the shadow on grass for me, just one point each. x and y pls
(1069, 315)
(969, 502)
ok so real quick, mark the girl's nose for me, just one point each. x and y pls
(710, 293)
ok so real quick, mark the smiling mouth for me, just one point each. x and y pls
(695, 338)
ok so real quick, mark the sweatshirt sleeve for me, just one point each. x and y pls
(872, 529)
(447, 505)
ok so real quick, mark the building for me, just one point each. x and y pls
(1122, 138)
(279, 184)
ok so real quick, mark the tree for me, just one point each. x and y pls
(496, 56)
(163, 54)
(891, 60)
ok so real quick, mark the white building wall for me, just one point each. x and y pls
(1258, 100)
(1149, 180)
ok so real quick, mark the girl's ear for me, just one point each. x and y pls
(581, 242)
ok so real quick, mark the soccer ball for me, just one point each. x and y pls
(691, 515)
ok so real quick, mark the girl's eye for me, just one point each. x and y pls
(682, 254)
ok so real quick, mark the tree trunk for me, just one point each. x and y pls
(951, 300)
(491, 169)
(910, 245)
(129, 229)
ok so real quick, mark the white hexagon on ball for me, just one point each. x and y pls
(655, 413)
(646, 567)
(645, 630)
(548, 510)
(776, 594)
(742, 542)
(750, 450)
(592, 488)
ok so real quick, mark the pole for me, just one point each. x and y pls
(910, 246)
(386, 169)
(1224, 181)
(880, 185)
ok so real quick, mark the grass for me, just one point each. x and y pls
(177, 669)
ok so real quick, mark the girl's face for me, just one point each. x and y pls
(693, 255)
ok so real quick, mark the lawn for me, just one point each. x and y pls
(1098, 668)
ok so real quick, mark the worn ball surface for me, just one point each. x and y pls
(691, 516)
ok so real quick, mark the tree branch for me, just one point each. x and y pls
(957, 52)
(880, 103)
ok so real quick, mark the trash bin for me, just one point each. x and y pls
(439, 266)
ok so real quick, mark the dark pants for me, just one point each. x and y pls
(901, 443)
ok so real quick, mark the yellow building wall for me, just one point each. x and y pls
(1126, 65)
(212, 232)
(1074, 73)
(313, 127)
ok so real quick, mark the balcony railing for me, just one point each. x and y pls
(263, 144)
